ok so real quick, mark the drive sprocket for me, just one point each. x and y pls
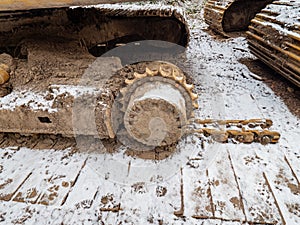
(155, 104)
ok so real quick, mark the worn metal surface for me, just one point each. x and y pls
(56, 44)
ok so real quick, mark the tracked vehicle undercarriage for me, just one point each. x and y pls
(232, 15)
(274, 30)
(44, 87)
(274, 37)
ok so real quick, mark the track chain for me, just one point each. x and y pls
(244, 134)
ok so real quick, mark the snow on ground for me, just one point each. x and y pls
(38, 100)
(210, 184)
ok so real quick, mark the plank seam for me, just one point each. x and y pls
(291, 168)
(72, 185)
(180, 212)
(210, 196)
(18, 188)
(238, 186)
(276, 202)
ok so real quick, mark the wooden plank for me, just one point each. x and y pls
(279, 166)
(87, 185)
(293, 160)
(283, 184)
(125, 193)
(32, 188)
(98, 191)
(197, 196)
(20, 213)
(260, 206)
(290, 145)
(51, 179)
(224, 189)
(163, 199)
(81, 216)
(117, 202)
(16, 170)
(63, 178)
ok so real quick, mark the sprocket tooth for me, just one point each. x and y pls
(188, 87)
(139, 75)
(151, 72)
(176, 73)
(195, 105)
(164, 73)
(129, 82)
(179, 79)
(193, 96)
(123, 91)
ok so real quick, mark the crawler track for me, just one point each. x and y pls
(231, 15)
(92, 26)
(274, 37)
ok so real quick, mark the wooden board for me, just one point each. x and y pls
(293, 160)
(197, 193)
(51, 179)
(224, 189)
(16, 170)
(160, 199)
(281, 162)
(87, 185)
(283, 184)
(259, 203)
